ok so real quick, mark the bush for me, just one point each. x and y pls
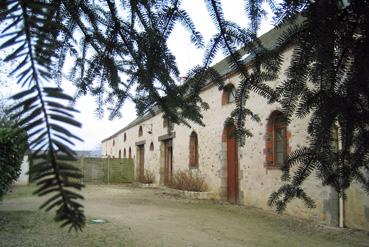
(149, 177)
(189, 181)
(12, 149)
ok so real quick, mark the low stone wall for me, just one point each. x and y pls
(198, 195)
(206, 195)
(143, 185)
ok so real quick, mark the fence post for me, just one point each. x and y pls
(108, 170)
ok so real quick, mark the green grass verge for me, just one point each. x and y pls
(19, 191)
(35, 228)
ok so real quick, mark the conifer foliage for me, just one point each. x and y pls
(108, 40)
(31, 30)
(328, 81)
(120, 52)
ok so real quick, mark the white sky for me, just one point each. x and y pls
(94, 130)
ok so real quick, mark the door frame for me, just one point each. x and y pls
(168, 161)
(234, 181)
(164, 167)
(140, 162)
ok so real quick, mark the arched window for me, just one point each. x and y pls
(120, 154)
(113, 142)
(229, 94)
(140, 132)
(124, 153)
(129, 153)
(125, 137)
(151, 146)
(276, 140)
(194, 153)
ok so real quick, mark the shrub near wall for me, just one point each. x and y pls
(12, 149)
(188, 181)
(149, 177)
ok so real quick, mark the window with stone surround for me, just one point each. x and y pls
(151, 146)
(140, 132)
(125, 137)
(229, 94)
(124, 153)
(194, 152)
(276, 138)
(129, 153)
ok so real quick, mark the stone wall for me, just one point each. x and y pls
(357, 208)
(256, 182)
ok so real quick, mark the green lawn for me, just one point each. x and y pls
(35, 228)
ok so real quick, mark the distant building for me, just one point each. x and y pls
(23, 178)
(88, 153)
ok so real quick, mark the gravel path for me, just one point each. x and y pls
(159, 217)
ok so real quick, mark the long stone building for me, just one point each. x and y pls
(243, 175)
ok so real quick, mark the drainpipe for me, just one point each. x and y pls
(341, 205)
(341, 212)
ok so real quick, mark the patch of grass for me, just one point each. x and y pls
(35, 228)
(19, 191)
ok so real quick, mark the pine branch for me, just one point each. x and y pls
(36, 114)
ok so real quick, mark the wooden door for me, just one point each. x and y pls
(141, 157)
(168, 162)
(232, 167)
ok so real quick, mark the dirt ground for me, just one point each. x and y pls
(159, 217)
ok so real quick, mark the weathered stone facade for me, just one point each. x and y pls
(255, 181)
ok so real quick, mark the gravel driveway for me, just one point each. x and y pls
(159, 217)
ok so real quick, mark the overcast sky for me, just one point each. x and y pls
(94, 130)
